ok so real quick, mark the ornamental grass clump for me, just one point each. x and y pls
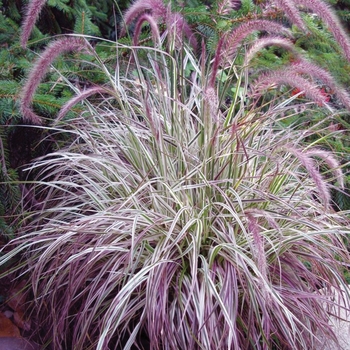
(171, 220)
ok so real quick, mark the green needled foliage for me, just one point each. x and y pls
(21, 143)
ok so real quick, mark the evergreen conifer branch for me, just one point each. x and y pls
(324, 11)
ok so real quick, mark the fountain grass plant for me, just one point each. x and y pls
(171, 220)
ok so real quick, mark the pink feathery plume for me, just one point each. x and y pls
(303, 66)
(80, 97)
(41, 66)
(154, 28)
(291, 78)
(261, 43)
(332, 163)
(225, 6)
(211, 99)
(31, 15)
(155, 7)
(154, 11)
(177, 25)
(310, 166)
(234, 39)
(216, 62)
(291, 11)
(236, 4)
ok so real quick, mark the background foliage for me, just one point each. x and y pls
(20, 144)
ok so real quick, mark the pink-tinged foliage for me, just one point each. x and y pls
(291, 78)
(112, 263)
(257, 245)
(40, 68)
(234, 39)
(178, 27)
(325, 12)
(31, 14)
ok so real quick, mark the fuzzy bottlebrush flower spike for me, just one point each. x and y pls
(179, 28)
(157, 8)
(295, 76)
(332, 163)
(32, 12)
(323, 10)
(153, 25)
(306, 159)
(225, 6)
(39, 70)
(302, 66)
(80, 97)
(288, 77)
(290, 9)
(154, 11)
(268, 41)
(241, 32)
